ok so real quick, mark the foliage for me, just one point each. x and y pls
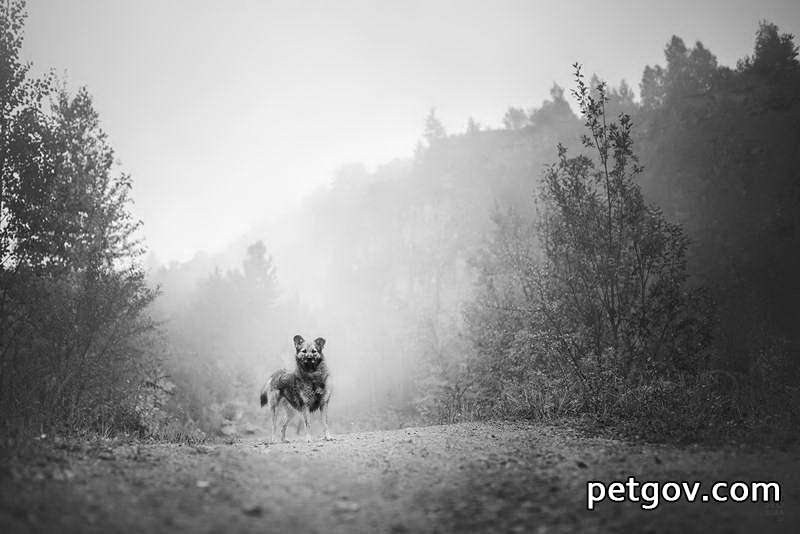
(774, 53)
(217, 337)
(716, 143)
(611, 289)
(597, 283)
(720, 163)
(74, 333)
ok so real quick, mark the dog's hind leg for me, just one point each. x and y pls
(289, 416)
(274, 408)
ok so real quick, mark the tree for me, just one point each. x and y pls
(473, 126)
(689, 73)
(220, 343)
(26, 182)
(259, 270)
(774, 53)
(554, 111)
(434, 129)
(612, 292)
(74, 346)
(515, 119)
(601, 282)
(652, 87)
(734, 194)
(23, 130)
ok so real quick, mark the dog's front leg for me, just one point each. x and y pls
(306, 417)
(324, 413)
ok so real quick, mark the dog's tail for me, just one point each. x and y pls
(271, 388)
(265, 395)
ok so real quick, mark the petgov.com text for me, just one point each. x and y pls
(653, 493)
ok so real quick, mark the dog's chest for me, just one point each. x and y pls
(312, 392)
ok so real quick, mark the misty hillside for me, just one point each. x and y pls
(384, 265)
(384, 262)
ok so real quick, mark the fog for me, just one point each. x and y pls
(226, 117)
(355, 171)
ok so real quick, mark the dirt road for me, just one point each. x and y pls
(467, 477)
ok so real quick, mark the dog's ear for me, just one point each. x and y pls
(298, 342)
(319, 343)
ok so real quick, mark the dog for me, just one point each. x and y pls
(305, 390)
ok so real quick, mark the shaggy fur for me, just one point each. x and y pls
(304, 390)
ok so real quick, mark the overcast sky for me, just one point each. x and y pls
(228, 112)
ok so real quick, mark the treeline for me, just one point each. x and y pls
(405, 263)
(75, 345)
(720, 146)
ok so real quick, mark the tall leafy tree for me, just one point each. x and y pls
(73, 315)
